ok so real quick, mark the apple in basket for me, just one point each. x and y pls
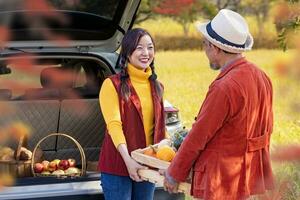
(72, 162)
(72, 170)
(46, 173)
(38, 167)
(58, 172)
(45, 164)
(63, 164)
(52, 166)
(56, 161)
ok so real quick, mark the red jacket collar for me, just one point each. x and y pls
(238, 62)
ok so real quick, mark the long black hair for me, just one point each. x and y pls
(129, 44)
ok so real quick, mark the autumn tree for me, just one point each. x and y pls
(184, 11)
(145, 10)
(231, 4)
(260, 9)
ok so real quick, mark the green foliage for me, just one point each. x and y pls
(289, 27)
(293, 1)
(178, 137)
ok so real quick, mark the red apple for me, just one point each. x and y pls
(72, 162)
(38, 167)
(52, 166)
(63, 164)
(46, 164)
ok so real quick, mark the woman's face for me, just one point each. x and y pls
(143, 54)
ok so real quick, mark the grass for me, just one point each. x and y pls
(186, 77)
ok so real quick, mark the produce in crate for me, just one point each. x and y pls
(157, 156)
(178, 137)
(162, 151)
(165, 153)
(150, 151)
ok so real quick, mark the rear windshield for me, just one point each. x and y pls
(72, 19)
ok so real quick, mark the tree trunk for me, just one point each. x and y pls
(260, 24)
(185, 27)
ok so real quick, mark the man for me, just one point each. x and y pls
(227, 148)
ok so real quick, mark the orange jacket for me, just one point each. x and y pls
(228, 145)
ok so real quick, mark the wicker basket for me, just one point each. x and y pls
(82, 154)
(17, 168)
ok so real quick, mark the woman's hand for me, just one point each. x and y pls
(132, 166)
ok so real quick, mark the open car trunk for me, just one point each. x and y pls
(69, 106)
(61, 96)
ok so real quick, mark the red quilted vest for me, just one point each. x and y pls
(110, 160)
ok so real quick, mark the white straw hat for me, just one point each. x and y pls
(228, 30)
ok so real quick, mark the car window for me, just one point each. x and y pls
(82, 76)
(20, 79)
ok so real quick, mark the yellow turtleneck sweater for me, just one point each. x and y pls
(109, 103)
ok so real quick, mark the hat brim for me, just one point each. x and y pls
(201, 27)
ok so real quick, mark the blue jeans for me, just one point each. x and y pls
(124, 188)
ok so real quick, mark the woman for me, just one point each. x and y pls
(131, 103)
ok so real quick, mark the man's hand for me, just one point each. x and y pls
(170, 184)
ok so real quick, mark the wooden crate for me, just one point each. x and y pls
(153, 176)
(149, 160)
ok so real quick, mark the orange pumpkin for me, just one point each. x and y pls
(165, 153)
(150, 151)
